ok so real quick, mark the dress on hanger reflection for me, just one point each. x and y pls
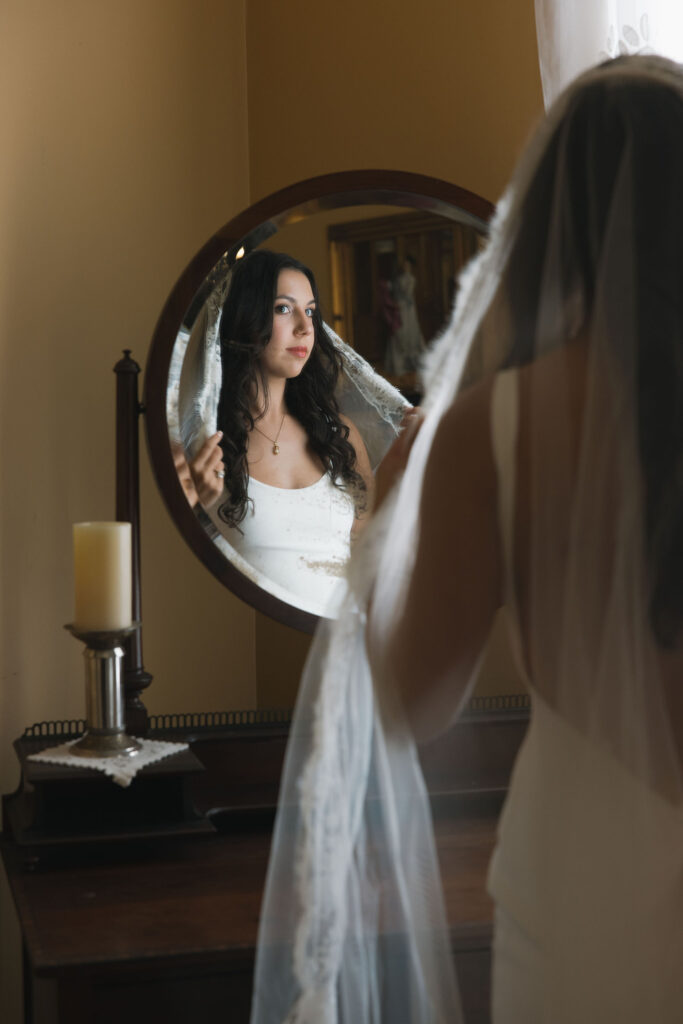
(406, 343)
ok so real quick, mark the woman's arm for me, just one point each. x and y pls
(393, 464)
(364, 469)
(430, 651)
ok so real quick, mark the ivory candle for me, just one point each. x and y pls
(102, 576)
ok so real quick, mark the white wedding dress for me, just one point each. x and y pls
(298, 538)
(588, 902)
(582, 273)
(406, 344)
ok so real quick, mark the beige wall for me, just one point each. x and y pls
(449, 88)
(129, 133)
(124, 144)
(442, 87)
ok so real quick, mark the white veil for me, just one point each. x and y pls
(586, 250)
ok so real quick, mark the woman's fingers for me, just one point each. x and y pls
(407, 432)
(208, 470)
(184, 474)
(215, 457)
(410, 427)
(207, 450)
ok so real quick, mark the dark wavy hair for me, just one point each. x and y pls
(603, 119)
(245, 329)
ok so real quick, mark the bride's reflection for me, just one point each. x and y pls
(295, 422)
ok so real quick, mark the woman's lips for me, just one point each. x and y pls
(299, 350)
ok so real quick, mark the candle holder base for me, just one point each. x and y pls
(98, 745)
(58, 807)
(106, 732)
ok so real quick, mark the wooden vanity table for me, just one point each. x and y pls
(164, 929)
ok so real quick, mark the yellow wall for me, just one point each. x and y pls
(449, 88)
(442, 87)
(124, 145)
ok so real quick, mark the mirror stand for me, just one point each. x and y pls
(128, 410)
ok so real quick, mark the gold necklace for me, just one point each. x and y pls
(273, 440)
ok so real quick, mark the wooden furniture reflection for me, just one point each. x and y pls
(165, 929)
(365, 258)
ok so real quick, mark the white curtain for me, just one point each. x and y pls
(574, 35)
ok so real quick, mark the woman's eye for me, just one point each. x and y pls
(310, 312)
(282, 307)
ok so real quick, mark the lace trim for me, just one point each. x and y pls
(121, 770)
(383, 397)
(332, 790)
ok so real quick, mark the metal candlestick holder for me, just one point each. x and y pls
(105, 735)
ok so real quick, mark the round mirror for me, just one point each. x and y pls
(385, 249)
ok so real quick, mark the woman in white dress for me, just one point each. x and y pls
(550, 486)
(286, 477)
(406, 343)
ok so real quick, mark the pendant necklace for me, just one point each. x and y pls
(273, 440)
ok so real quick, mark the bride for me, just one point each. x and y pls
(547, 479)
(286, 478)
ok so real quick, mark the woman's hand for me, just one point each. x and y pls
(184, 475)
(207, 470)
(394, 462)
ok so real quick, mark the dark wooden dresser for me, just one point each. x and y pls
(163, 928)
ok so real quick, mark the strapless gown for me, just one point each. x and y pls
(299, 539)
(587, 875)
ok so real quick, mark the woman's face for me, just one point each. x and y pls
(292, 337)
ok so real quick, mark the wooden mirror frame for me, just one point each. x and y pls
(253, 226)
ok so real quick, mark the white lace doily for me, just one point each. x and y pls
(122, 769)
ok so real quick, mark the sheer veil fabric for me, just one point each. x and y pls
(195, 379)
(584, 268)
(574, 35)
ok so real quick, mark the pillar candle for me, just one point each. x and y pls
(102, 576)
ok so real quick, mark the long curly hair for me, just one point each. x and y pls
(245, 329)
